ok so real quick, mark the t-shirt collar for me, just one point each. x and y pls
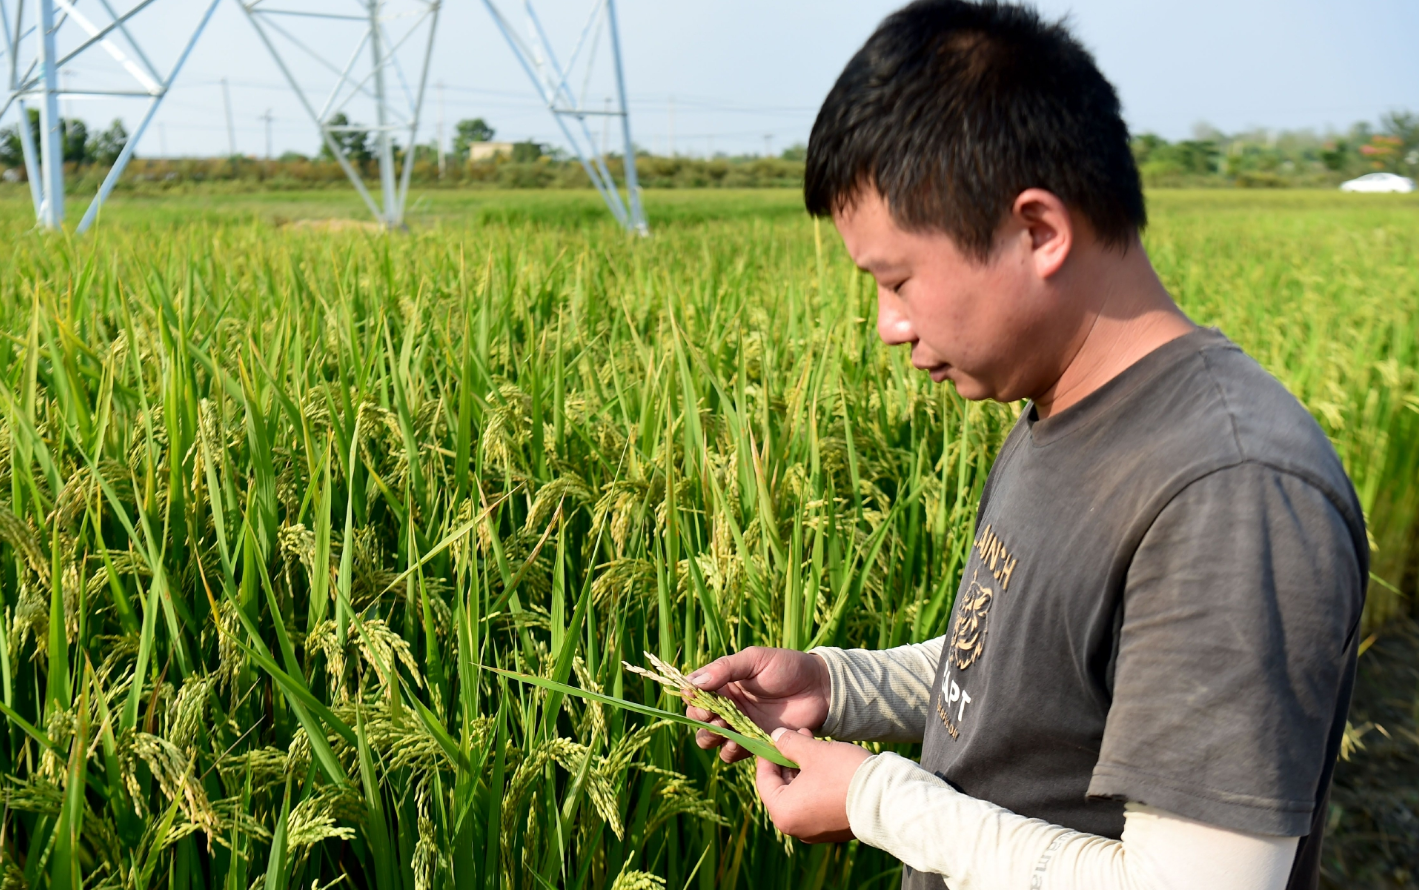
(1106, 398)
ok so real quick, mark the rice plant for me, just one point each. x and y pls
(275, 501)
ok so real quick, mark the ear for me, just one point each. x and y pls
(1042, 216)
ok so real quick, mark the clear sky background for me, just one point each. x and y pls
(747, 76)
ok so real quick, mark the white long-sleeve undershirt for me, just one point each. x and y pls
(897, 806)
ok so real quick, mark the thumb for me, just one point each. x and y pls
(800, 746)
(739, 666)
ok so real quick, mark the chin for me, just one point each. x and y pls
(971, 390)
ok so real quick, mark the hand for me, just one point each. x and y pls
(773, 687)
(810, 803)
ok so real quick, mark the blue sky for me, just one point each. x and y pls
(745, 76)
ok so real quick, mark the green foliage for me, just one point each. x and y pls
(796, 152)
(80, 147)
(272, 496)
(527, 152)
(74, 134)
(11, 149)
(355, 143)
(108, 145)
(293, 171)
(1280, 158)
(1158, 158)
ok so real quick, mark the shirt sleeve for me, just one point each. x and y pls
(1239, 617)
(896, 806)
(880, 695)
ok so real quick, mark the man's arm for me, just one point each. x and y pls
(848, 694)
(895, 805)
(840, 791)
(880, 695)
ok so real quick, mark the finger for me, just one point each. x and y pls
(733, 752)
(739, 666)
(710, 738)
(701, 715)
(706, 739)
(800, 747)
(771, 781)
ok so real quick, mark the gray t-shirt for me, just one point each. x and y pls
(1161, 606)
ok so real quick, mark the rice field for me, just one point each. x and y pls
(275, 497)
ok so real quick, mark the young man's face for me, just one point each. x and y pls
(990, 328)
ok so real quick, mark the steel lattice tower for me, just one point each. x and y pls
(38, 47)
(374, 74)
(553, 81)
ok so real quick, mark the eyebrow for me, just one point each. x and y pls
(866, 266)
(882, 266)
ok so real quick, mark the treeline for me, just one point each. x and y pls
(1256, 158)
(81, 147)
(526, 165)
(295, 172)
(1279, 159)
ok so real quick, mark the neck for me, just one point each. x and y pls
(1131, 315)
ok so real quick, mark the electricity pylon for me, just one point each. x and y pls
(61, 37)
(554, 83)
(366, 81)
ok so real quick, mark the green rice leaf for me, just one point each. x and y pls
(753, 746)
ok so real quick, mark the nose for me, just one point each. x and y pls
(893, 325)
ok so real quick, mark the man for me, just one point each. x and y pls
(1152, 649)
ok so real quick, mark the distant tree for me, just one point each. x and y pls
(288, 157)
(1401, 124)
(354, 143)
(75, 143)
(796, 152)
(1404, 126)
(1383, 152)
(108, 145)
(1157, 157)
(470, 130)
(1144, 145)
(1334, 154)
(1202, 131)
(74, 134)
(12, 152)
(526, 152)
(1196, 156)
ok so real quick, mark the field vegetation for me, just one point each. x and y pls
(273, 495)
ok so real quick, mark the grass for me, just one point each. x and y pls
(274, 495)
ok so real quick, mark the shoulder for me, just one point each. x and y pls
(1250, 418)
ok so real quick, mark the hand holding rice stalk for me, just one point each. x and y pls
(741, 729)
(713, 702)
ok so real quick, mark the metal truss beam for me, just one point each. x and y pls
(33, 66)
(391, 117)
(552, 81)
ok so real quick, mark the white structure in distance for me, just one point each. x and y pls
(1379, 182)
(43, 39)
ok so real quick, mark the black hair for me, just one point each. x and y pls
(953, 108)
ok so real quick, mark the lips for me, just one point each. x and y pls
(938, 372)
